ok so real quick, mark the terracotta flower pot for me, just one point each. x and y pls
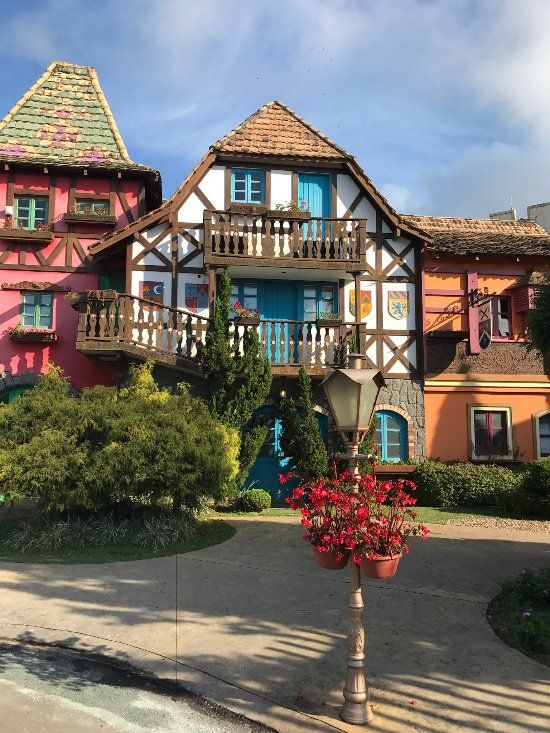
(380, 567)
(329, 560)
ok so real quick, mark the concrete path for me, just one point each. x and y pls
(260, 629)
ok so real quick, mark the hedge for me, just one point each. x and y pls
(254, 500)
(465, 484)
(531, 497)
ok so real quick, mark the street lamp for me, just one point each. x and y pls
(352, 395)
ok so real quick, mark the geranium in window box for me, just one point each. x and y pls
(290, 211)
(245, 316)
(40, 234)
(25, 333)
(328, 319)
(89, 217)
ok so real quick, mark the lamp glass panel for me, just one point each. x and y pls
(343, 395)
(369, 393)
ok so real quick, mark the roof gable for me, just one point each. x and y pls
(275, 129)
(64, 119)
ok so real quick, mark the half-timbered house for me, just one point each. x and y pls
(66, 179)
(309, 243)
(487, 398)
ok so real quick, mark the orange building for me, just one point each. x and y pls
(487, 398)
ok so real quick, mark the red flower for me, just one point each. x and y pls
(284, 477)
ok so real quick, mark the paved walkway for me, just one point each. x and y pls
(261, 630)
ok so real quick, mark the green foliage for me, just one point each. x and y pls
(464, 484)
(254, 500)
(520, 613)
(251, 442)
(107, 446)
(237, 383)
(301, 439)
(538, 333)
(532, 495)
(155, 532)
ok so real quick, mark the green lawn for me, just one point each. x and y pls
(520, 614)
(212, 531)
(426, 514)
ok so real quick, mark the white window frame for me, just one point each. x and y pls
(472, 437)
(536, 431)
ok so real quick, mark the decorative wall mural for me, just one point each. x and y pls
(196, 296)
(152, 290)
(366, 303)
(398, 304)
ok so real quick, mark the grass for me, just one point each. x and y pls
(211, 531)
(426, 514)
(520, 614)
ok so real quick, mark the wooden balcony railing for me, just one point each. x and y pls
(111, 323)
(280, 240)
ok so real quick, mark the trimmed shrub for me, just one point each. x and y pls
(532, 496)
(106, 447)
(254, 500)
(464, 484)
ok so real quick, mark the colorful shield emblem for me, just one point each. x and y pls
(152, 290)
(398, 304)
(366, 303)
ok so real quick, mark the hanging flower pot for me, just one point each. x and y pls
(380, 566)
(331, 560)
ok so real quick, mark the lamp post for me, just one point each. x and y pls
(352, 395)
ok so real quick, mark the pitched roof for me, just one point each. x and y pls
(64, 119)
(482, 236)
(275, 129)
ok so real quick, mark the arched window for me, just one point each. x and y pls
(542, 435)
(391, 436)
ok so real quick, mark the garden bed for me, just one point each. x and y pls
(211, 531)
(520, 614)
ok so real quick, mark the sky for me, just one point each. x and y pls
(445, 103)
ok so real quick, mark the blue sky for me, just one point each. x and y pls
(445, 104)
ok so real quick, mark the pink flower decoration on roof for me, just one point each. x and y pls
(14, 149)
(63, 112)
(94, 156)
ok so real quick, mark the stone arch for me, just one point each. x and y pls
(411, 446)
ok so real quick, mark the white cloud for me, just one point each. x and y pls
(444, 103)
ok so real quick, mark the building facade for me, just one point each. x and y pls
(66, 179)
(318, 259)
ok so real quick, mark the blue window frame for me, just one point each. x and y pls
(319, 298)
(391, 436)
(247, 186)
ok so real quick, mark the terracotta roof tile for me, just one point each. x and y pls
(482, 236)
(275, 129)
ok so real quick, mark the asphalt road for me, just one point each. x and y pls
(44, 690)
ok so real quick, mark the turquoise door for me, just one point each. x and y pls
(270, 462)
(314, 189)
(280, 301)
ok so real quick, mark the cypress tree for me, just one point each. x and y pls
(237, 383)
(301, 439)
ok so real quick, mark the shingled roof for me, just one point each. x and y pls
(275, 129)
(64, 119)
(482, 236)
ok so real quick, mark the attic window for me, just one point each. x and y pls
(247, 186)
(92, 206)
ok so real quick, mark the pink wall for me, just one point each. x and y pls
(19, 357)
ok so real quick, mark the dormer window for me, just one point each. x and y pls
(247, 186)
(31, 212)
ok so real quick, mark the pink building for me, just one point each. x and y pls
(66, 180)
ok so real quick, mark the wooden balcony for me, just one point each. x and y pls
(111, 324)
(282, 240)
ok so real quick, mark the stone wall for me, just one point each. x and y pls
(407, 396)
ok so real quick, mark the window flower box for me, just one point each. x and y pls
(247, 320)
(288, 215)
(38, 236)
(245, 316)
(80, 217)
(327, 319)
(251, 209)
(40, 335)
